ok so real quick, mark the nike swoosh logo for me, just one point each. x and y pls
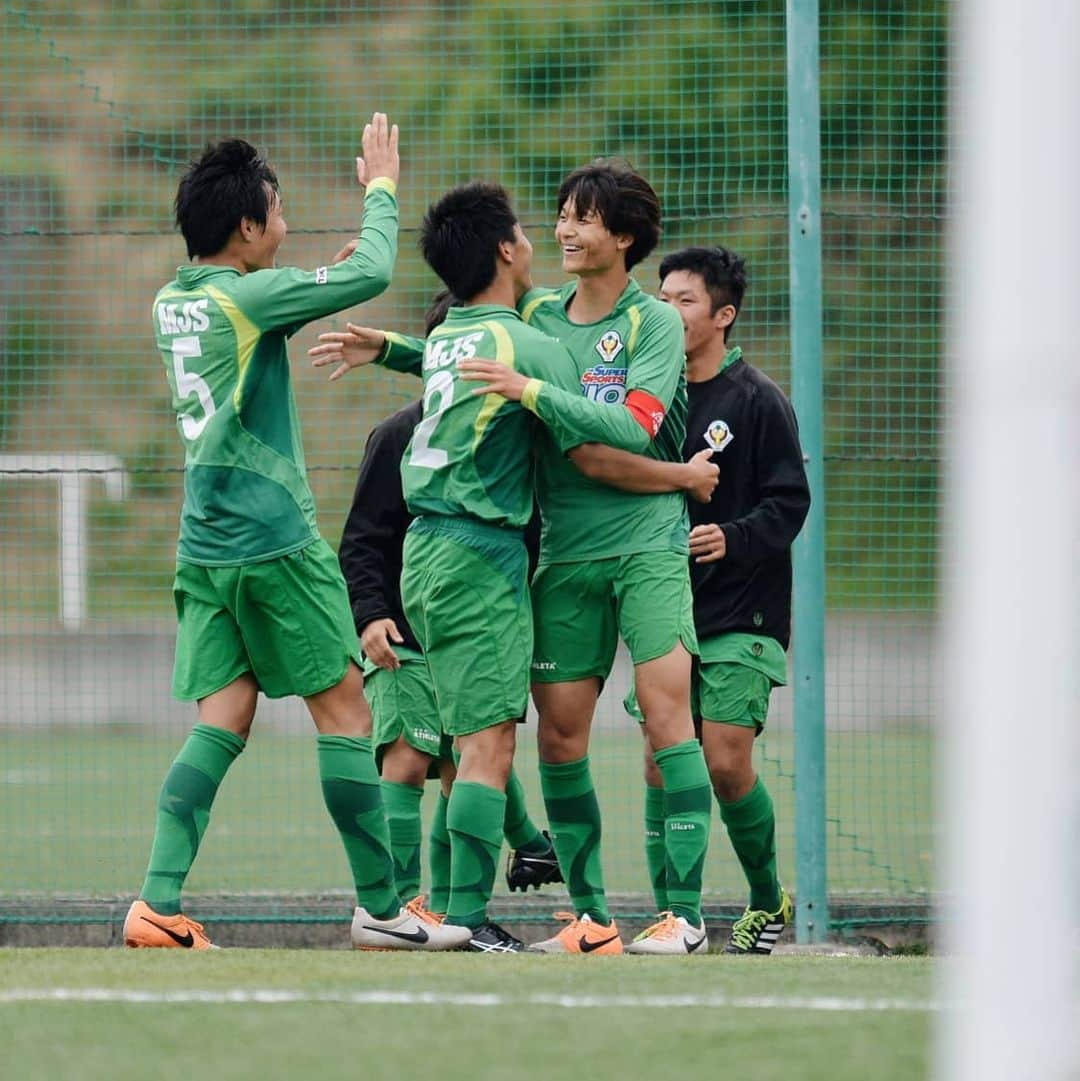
(691, 946)
(588, 947)
(187, 940)
(419, 935)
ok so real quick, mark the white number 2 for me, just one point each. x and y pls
(188, 383)
(441, 386)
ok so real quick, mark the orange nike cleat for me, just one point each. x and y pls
(145, 928)
(582, 934)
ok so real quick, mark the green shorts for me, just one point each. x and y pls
(287, 621)
(723, 692)
(581, 609)
(464, 591)
(403, 707)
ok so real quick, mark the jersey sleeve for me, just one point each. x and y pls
(573, 419)
(287, 298)
(545, 358)
(657, 362)
(554, 395)
(402, 353)
(783, 491)
(375, 525)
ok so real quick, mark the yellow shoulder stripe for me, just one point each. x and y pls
(504, 354)
(634, 312)
(247, 337)
(530, 308)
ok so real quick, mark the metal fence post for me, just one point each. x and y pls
(804, 234)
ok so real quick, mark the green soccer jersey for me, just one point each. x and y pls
(222, 337)
(638, 347)
(472, 454)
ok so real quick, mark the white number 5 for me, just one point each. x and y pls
(441, 386)
(188, 383)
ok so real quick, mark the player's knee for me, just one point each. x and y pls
(653, 776)
(342, 710)
(402, 764)
(561, 743)
(731, 778)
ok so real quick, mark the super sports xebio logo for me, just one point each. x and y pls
(603, 384)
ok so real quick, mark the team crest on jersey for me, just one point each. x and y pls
(609, 346)
(718, 434)
(321, 276)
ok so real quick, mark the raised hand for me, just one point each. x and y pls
(704, 475)
(380, 143)
(349, 348)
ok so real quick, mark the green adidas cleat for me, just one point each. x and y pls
(756, 931)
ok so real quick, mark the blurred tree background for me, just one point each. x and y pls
(102, 103)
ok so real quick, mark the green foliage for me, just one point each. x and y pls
(692, 93)
(26, 369)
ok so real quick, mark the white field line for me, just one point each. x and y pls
(98, 995)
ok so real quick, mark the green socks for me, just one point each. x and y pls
(519, 829)
(439, 858)
(350, 785)
(574, 816)
(687, 814)
(751, 825)
(183, 811)
(402, 803)
(474, 818)
(655, 849)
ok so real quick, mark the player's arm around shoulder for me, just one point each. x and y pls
(542, 357)
(642, 475)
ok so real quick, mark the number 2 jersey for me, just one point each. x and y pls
(222, 336)
(471, 455)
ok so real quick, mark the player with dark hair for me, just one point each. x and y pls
(467, 476)
(407, 737)
(611, 563)
(260, 599)
(740, 568)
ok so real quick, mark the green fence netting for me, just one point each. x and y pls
(100, 106)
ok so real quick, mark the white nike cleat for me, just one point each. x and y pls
(414, 928)
(671, 934)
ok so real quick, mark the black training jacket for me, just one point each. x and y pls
(760, 502)
(370, 552)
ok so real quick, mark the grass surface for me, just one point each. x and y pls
(78, 813)
(526, 1017)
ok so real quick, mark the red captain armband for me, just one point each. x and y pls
(646, 410)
